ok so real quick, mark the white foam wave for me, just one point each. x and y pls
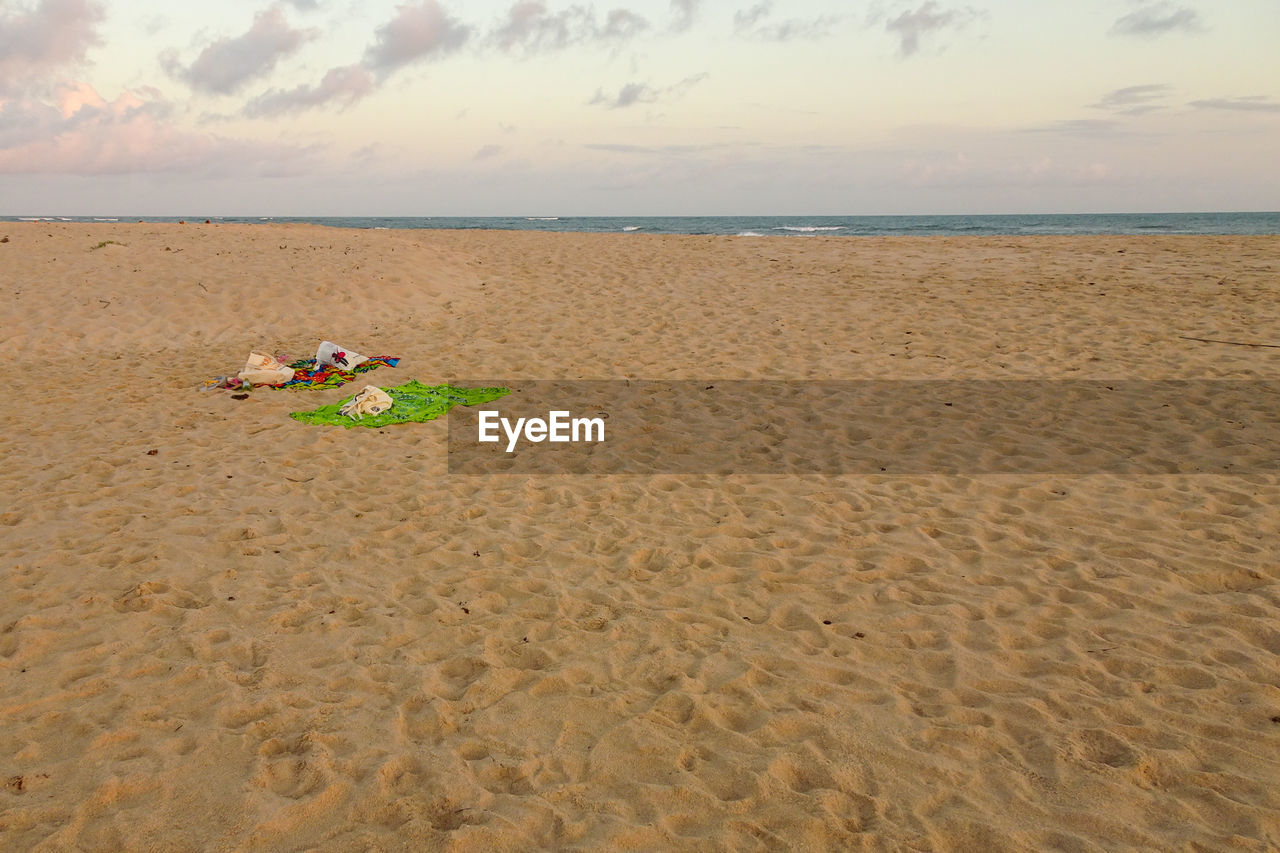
(750, 234)
(808, 228)
(630, 227)
(541, 218)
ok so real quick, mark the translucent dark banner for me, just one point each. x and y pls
(871, 427)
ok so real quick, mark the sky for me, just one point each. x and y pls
(637, 107)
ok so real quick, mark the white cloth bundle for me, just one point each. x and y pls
(370, 401)
(340, 357)
(265, 370)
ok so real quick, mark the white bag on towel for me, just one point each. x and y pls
(265, 370)
(372, 400)
(340, 357)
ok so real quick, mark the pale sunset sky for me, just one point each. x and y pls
(637, 107)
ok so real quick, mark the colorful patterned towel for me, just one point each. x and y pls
(307, 374)
(411, 402)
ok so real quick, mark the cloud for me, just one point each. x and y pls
(35, 42)
(621, 24)
(1113, 129)
(1248, 103)
(71, 129)
(1157, 19)
(631, 93)
(747, 18)
(753, 23)
(683, 12)
(26, 121)
(82, 133)
(911, 27)
(1079, 127)
(225, 66)
(424, 30)
(1023, 169)
(488, 151)
(531, 28)
(643, 93)
(661, 150)
(1133, 100)
(343, 86)
(418, 31)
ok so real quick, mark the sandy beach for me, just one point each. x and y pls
(222, 629)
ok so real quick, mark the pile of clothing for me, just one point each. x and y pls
(335, 365)
(370, 401)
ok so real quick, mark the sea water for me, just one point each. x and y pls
(776, 226)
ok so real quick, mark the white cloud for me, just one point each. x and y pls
(529, 27)
(37, 42)
(642, 93)
(342, 86)
(1157, 19)
(418, 31)
(1133, 100)
(756, 22)
(85, 134)
(913, 26)
(1247, 103)
(683, 13)
(228, 64)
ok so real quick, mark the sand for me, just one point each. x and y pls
(221, 629)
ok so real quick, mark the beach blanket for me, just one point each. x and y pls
(307, 373)
(411, 402)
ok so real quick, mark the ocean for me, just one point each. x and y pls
(777, 226)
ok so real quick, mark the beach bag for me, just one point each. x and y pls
(263, 369)
(371, 400)
(340, 357)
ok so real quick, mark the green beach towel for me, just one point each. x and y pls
(412, 402)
